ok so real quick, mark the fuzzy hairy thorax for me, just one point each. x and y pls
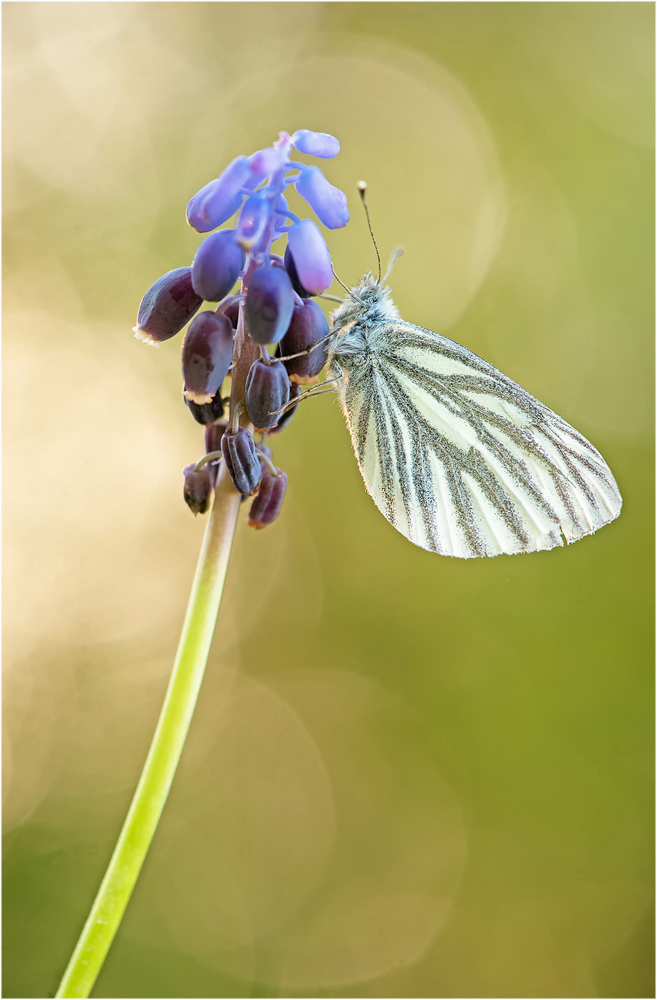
(369, 304)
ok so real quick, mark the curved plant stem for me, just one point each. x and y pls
(166, 748)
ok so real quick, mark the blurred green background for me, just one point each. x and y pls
(408, 776)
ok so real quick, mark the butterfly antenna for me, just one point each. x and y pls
(362, 188)
(394, 257)
(347, 290)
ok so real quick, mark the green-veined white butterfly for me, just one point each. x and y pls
(460, 459)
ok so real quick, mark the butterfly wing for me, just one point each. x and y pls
(460, 459)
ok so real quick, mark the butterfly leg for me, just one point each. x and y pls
(308, 350)
(313, 391)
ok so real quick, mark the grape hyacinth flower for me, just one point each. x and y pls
(226, 360)
(167, 306)
(218, 200)
(241, 458)
(267, 504)
(306, 342)
(205, 413)
(307, 259)
(269, 304)
(197, 490)
(290, 410)
(266, 392)
(273, 305)
(206, 356)
(217, 265)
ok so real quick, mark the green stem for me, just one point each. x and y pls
(166, 748)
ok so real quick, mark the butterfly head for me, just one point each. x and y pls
(368, 302)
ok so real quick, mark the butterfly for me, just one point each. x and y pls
(458, 457)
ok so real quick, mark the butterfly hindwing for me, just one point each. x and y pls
(460, 459)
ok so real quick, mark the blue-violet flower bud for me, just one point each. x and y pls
(308, 327)
(284, 419)
(252, 221)
(241, 460)
(167, 306)
(266, 162)
(206, 356)
(267, 389)
(218, 200)
(327, 202)
(217, 265)
(310, 259)
(316, 143)
(213, 436)
(269, 304)
(267, 505)
(206, 413)
(197, 489)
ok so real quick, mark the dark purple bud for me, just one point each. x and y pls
(217, 265)
(218, 200)
(213, 436)
(284, 419)
(241, 460)
(269, 304)
(197, 489)
(267, 389)
(252, 221)
(308, 327)
(232, 312)
(290, 267)
(327, 202)
(316, 143)
(309, 257)
(206, 356)
(205, 413)
(167, 306)
(267, 505)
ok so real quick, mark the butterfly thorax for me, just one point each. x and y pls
(354, 322)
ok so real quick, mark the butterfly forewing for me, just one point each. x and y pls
(460, 459)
